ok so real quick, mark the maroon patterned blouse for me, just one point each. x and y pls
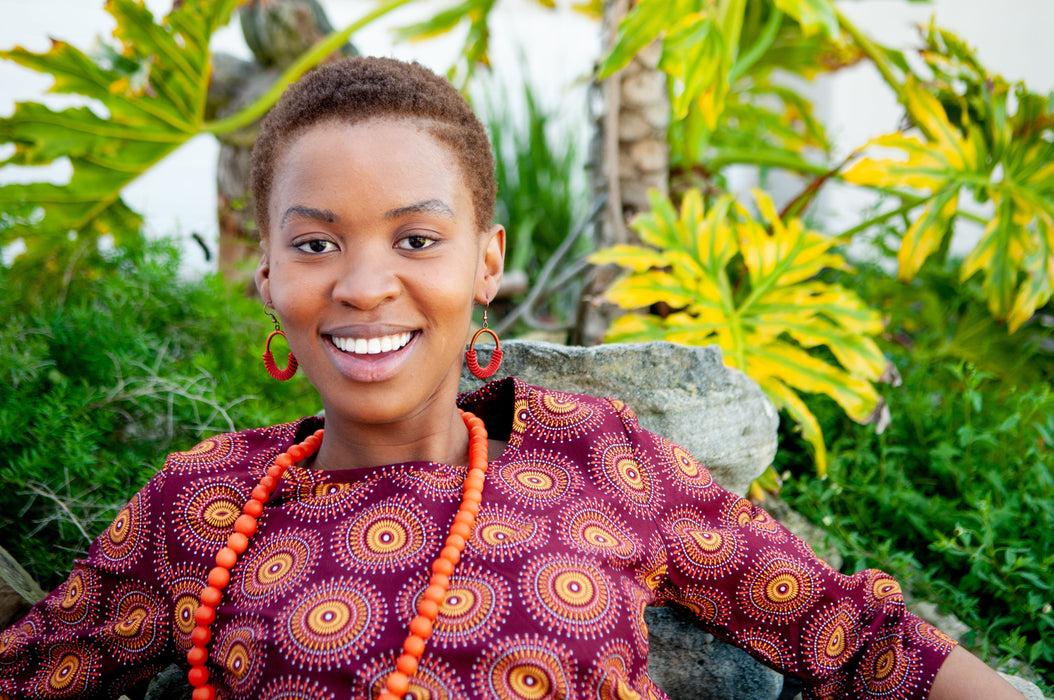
(586, 519)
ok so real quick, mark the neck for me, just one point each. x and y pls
(438, 436)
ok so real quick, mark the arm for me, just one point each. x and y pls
(963, 675)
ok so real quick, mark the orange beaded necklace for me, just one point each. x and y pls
(398, 682)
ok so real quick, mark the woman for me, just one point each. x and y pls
(373, 558)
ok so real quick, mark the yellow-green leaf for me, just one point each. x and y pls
(927, 232)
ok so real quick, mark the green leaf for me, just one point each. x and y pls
(814, 16)
(751, 287)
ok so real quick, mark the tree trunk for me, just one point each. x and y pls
(632, 156)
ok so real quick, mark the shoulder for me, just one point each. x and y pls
(245, 451)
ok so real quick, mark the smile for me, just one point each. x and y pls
(372, 346)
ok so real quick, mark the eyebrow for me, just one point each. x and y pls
(302, 212)
(431, 206)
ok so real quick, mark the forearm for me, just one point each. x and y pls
(964, 676)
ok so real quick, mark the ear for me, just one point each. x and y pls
(263, 279)
(492, 264)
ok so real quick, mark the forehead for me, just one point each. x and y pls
(377, 161)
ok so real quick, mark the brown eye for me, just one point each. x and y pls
(316, 245)
(416, 242)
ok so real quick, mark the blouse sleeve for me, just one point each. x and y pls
(751, 582)
(106, 628)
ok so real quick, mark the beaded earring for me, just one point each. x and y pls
(268, 358)
(495, 356)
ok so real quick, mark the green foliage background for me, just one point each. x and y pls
(101, 383)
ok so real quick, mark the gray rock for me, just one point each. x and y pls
(686, 394)
(1029, 690)
(18, 591)
(689, 664)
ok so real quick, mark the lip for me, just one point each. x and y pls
(376, 367)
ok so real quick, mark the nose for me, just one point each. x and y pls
(366, 280)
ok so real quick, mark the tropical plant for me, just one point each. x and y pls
(752, 288)
(147, 97)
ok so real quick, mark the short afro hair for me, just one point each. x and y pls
(353, 90)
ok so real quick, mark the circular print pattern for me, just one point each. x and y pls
(316, 499)
(205, 513)
(710, 606)
(440, 482)
(525, 668)
(503, 534)
(882, 589)
(295, 688)
(433, 680)
(76, 595)
(887, 669)
(537, 478)
(212, 454)
(121, 545)
(653, 572)
(830, 639)
(554, 416)
(738, 512)
(135, 626)
(701, 550)
(68, 672)
(330, 623)
(570, 595)
(624, 475)
(392, 534)
(183, 593)
(639, 598)
(770, 646)
(765, 525)
(239, 650)
(684, 471)
(14, 638)
(933, 637)
(594, 527)
(477, 604)
(610, 676)
(275, 564)
(777, 588)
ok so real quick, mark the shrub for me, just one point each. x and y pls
(102, 382)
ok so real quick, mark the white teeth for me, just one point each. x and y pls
(372, 346)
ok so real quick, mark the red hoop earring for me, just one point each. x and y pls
(268, 358)
(495, 356)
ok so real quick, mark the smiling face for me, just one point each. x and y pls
(372, 261)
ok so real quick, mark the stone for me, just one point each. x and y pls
(18, 591)
(633, 127)
(686, 394)
(1030, 690)
(690, 664)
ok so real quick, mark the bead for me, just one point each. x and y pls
(441, 580)
(421, 626)
(472, 497)
(296, 453)
(463, 516)
(456, 541)
(461, 529)
(443, 566)
(414, 646)
(474, 483)
(197, 656)
(319, 433)
(472, 506)
(406, 664)
(238, 542)
(398, 683)
(226, 558)
(201, 635)
(219, 577)
(253, 507)
(245, 524)
(434, 594)
(205, 615)
(428, 609)
(211, 596)
(452, 555)
(388, 696)
(199, 675)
